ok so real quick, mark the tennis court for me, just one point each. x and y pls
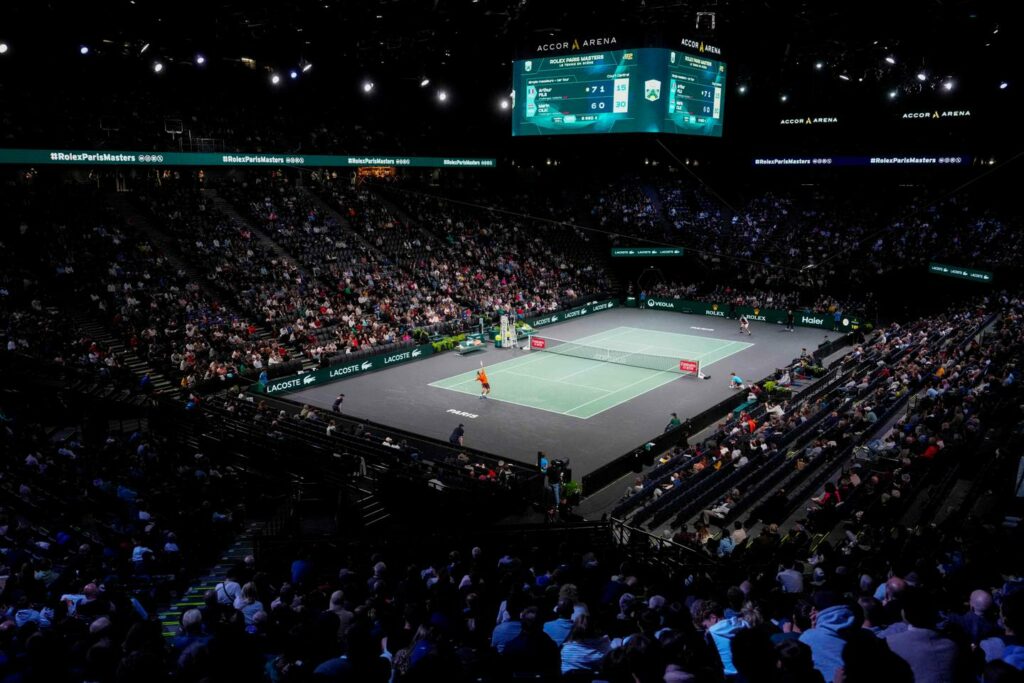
(583, 387)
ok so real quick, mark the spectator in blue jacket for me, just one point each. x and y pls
(719, 631)
(832, 621)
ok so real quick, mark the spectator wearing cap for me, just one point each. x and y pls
(832, 620)
(932, 657)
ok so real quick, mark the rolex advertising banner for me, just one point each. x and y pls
(824, 321)
(343, 370)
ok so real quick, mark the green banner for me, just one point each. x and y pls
(637, 252)
(344, 371)
(577, 312)
(824, 321)
(962, 273)
(69, 157)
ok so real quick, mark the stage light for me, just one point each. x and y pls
(893, 94)
(4, 48)
(890, 59)
(84, 50)
(1003, 85)
(948, 86)
(922, 76)
(442, 95)
(200, 60)
(425, 82)
(293, 74)
(503, 104)
(157, 67)
(819, 65)
(275, 79)
(367, 86)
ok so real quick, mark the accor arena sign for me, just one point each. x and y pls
(577, 44)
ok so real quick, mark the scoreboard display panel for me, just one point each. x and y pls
(645, 90)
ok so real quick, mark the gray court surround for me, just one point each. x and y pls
(401, 396)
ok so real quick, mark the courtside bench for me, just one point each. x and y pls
(469, 346)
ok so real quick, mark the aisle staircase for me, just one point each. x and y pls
(139, 367)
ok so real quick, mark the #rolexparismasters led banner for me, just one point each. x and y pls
(644, 90)
(72, 157)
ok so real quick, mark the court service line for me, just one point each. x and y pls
(632, 384)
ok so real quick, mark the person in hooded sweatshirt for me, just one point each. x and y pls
(831, 622)
(719, 630)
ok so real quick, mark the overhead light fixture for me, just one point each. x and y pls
(425, 82)
(367, 86)
(503, 104)
(784, 98)
(890, 59)
(948, 86)
(84, 50)
(158, 67)
(4, 48)
(844, 77)
(1003, 85)
(819, 65)
(922, 76)
(306, 66)
(742, 89)
(275, 79)
(893, 94)
(293, 74)
(200, 60)
(144, 48)
(442, 95)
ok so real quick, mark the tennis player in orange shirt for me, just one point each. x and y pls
(485, 384)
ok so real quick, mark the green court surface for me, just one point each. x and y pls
(582, 388)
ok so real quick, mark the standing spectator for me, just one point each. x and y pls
(458, 435)
(336, 406)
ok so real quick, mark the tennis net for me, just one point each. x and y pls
(649, 361)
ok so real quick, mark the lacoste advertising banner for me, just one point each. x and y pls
(344, 370)
(577, 312)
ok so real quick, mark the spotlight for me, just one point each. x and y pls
(503, 104)
(425, 82)
(84, 50)
(367, 86)
(948, 86)
(819, 65)
(442, 95)
(293, 74)
(742, 89)
(1003, 85)
(275, 79)
(157, 67)
(784, 98)
(892, 94)
(200, 60)
(922, 76)
(844, 77)
(4, 48)
(890, 59)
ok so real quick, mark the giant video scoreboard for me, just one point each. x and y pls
(644, 90)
